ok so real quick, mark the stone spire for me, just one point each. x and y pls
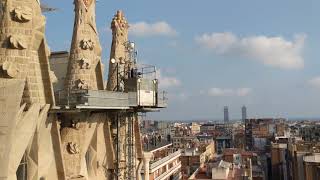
(26, 91)
(117, 71)
(119, 27)
(84, 68)
(24, 52)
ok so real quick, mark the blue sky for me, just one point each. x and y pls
(262, 54)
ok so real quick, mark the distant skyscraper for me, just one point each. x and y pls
(244, 113)
(226, 114)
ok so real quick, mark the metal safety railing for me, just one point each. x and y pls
(162, 99)
(107, 99)
(146, 71)
(99, 98)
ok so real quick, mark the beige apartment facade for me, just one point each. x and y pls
(162, 163)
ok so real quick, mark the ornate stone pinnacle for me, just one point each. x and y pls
(119, 21)
(119, 26)
(85, 51)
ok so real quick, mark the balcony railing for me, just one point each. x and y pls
(151, 146)
(155, 164)
(169, 172)
(102, 99)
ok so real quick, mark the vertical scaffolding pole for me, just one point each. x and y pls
(118, 146)
(131, 155)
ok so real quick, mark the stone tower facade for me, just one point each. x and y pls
(42, 139)
(24, 52)
(26, 92)
(117, 73)
(85, 69)
(119, 27)
(79, 130)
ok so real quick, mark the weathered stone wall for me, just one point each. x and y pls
(23, 52)
(26, 88)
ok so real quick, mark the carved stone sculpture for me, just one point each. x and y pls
(17, 42)
(87, 44)
(10, 68)
(75, 124)
(85, 63)
(21, 14)
(73, 148)
(82, 84)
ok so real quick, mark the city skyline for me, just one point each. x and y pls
(81, 90)
(217, 53)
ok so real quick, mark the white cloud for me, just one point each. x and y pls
(271, 51)
(243, 91)
(229, 92)
(160, 28)
(315, 82)
(167, 81)
(181, 96)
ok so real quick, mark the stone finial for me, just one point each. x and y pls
(119, 21)
(88, 2)
(119, 26)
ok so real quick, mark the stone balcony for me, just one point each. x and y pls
(161, 162)
(169, 172)
(163, 168)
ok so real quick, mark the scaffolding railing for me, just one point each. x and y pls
(131, 154)
(109, 99)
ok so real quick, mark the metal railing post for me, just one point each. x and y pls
(68, 96)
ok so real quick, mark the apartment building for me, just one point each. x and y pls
(312, 166)
(303, 160)
(161, 163)
(193, 158)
